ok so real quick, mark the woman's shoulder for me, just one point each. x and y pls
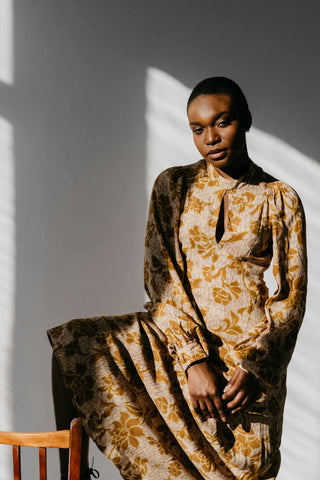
(179, 174)
(280, 193)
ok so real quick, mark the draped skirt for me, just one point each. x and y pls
(131, 392)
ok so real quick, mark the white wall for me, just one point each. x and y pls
(76, 105)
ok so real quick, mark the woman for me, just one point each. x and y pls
(194, 388)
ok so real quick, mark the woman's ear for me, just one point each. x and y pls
(247, 121)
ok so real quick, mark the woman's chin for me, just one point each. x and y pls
(221, 163)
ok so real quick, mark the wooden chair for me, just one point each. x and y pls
(70, 439)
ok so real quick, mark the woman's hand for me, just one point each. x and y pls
(205, 390)
(241, 391)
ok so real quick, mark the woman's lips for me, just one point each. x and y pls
(217, 154)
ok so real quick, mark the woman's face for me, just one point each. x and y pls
(217, 132)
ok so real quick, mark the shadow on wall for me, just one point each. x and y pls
(7, 278)
(7, 229)
(169, 143)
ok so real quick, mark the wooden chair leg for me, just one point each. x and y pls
(43, 463)
(16, 462)
(75, 449)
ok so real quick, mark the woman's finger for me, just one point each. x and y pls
(237, 400)
(203, 408)
(245, 405)
(195, 404)
(230, 392)
(236, 410)
(220, 407)
(212, 409)
(247, 401)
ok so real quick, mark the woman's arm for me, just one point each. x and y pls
(268, 348)
(172, 305)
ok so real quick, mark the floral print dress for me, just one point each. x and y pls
(208, 242)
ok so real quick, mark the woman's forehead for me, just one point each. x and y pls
(210, 104)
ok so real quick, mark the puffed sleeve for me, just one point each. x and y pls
(172, 306)
(268, 348)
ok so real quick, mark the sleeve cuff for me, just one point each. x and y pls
(191, 353)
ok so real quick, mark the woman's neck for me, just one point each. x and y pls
(237, 169)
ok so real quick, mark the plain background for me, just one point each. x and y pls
(77, 109)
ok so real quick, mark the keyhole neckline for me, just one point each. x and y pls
(227, 183)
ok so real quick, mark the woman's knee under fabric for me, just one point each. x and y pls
(133, 398)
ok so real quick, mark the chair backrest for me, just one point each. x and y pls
(70, 439)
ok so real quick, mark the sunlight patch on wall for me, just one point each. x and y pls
(169, 143)
(6, 42)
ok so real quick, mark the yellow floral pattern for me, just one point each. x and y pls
(126, 374)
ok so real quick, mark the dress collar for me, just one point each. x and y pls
(230, 183)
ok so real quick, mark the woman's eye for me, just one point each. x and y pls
(223, 123)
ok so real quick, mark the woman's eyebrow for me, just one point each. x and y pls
(220, 114)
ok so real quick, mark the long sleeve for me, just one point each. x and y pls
(267, 349)
(172, 306)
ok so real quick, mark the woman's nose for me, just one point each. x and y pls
(212, 136)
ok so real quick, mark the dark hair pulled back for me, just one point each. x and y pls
(225, 86)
